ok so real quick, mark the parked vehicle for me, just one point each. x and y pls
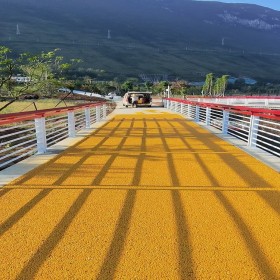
(137, 99)
(64, 90)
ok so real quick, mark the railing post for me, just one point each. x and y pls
(266, 102)
(181, 109)
(97, 111)
(87, 116)
(171, 105)
(71, 124)
(254, 126)
(208, 116)
(196, 113)
(225, 122)
(104, 111)
(189, 110)
(40, 127)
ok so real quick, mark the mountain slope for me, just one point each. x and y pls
(181, 38)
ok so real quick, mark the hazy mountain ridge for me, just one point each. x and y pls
(263, 21)
(156, 36)
(256, 23)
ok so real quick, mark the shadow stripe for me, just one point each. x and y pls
(230, 160)
(30, 174)
(86, 156)
(260, 259)
(184, 244)
(4, 191)
(114, 253)
(32, 267)
(23, 211)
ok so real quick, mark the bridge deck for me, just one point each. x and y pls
(148, 195)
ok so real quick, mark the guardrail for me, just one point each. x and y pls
(27, 133)
(272, 102)
(258, 127)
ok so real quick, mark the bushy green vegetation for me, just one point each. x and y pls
(47, 71)
(31, 75)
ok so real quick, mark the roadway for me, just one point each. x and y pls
(148, 195)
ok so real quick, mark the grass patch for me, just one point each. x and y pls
(25, 106)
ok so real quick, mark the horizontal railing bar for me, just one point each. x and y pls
(17, 145)
(56, 138)
(17, 158)
(57, 132)
(17, 133)
(17, 151)
(17, 139)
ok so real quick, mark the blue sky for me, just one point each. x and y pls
(273, 4)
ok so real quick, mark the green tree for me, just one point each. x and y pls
(42, 72)
(224, 83)
(148, 85)
(179, 87)
(207, 88)
(217, 88)
(127, 85)
(160, 87)
(8, 66)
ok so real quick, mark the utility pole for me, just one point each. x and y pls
(18, 31)
(168, 91)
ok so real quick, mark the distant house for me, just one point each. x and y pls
(247, 81)
(20, 79)
(196, 84)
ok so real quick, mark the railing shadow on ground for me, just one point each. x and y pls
(140, 155)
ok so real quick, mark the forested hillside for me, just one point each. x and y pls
(168, 38)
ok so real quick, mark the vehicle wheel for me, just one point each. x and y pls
(126, 106)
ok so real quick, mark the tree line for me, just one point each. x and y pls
(45, 72)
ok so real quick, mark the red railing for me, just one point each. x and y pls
(265, 113)
(26, 133)
(257, 126)
(30, 115)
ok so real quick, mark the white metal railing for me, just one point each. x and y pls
(250, 101)
(258, 127)
(17, 142)
(24, 134)
(56, 128)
